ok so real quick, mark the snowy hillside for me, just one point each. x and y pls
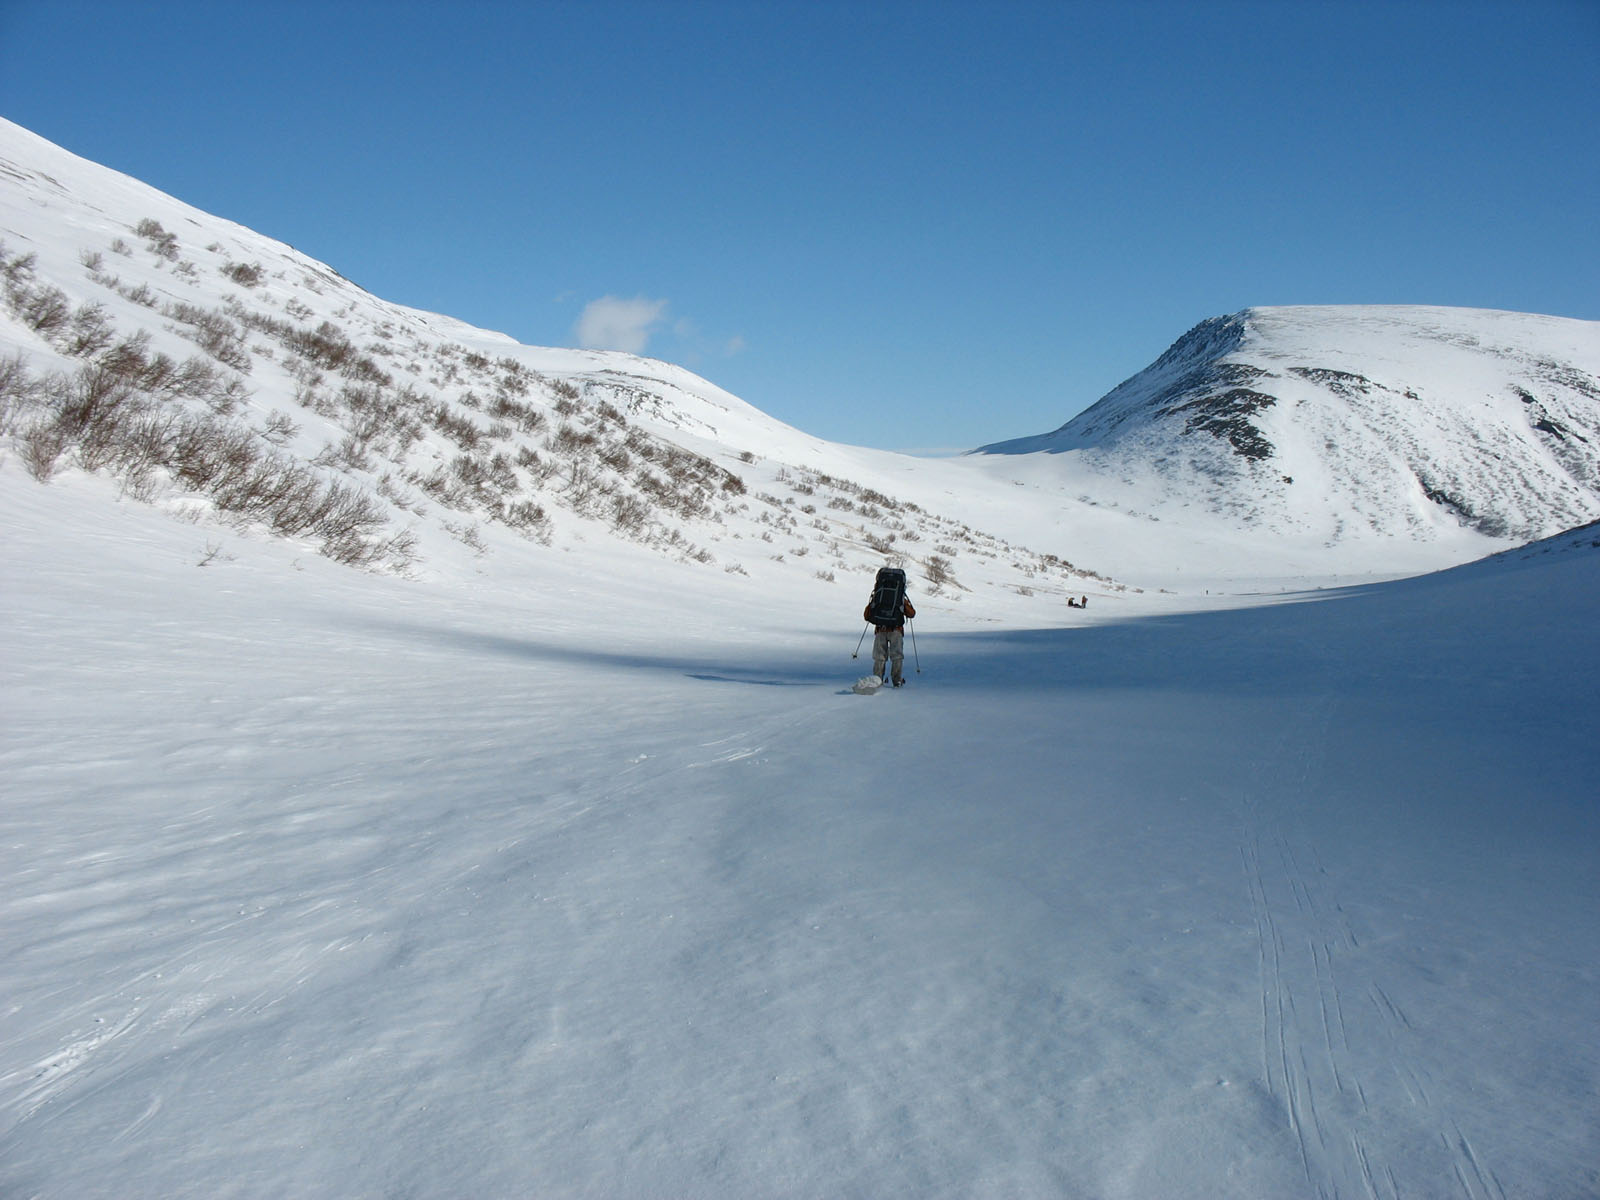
(1357, 421)
(223, 376)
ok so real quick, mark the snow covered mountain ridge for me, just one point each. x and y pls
(1394, 419)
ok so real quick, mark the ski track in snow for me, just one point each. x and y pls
(1311, 1062)
(1308, 1057)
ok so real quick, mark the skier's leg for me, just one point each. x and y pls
(880, 650)
(897, 656)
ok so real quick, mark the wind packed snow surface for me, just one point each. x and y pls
(595, 880)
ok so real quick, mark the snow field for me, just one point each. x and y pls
(322, 883)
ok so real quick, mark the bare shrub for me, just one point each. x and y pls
(459, 430)
(351, 454)
(396, 552)
(467, 534)
(524, 416)
(160, 242)
(46, 311)
(244, 274)
(89, 332)
(570, 440)
(17, 274)
(585, 486)
(529, 519)
(476, 475)
(515, 378)
(280, 428)
(96, 413)
(127, 357)
(205, 451)
(502, 474)
(214, 333)
(91, 398)
(350, 524)
(141, 295)
(41, 445)
(444, 487)
(629, 514)
(540, 468)
(143, 448)
(199, 380)
(18, 390)
(329, 348)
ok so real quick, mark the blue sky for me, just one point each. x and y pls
(917, 226)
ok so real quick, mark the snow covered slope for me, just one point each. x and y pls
(1353, 421)
(319, 882)
(224, 376)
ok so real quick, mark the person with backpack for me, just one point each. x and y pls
(887, 611)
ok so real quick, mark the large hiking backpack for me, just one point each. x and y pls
(888, 597)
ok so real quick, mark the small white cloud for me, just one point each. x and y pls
(612, 323)
(735, 345)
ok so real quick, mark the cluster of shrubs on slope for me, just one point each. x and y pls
(439, 430)
(861, 519)
(148, 419)
(123, 412)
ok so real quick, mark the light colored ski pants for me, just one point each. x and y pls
(889, 644)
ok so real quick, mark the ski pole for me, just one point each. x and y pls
(857, 652)
(915, 657)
